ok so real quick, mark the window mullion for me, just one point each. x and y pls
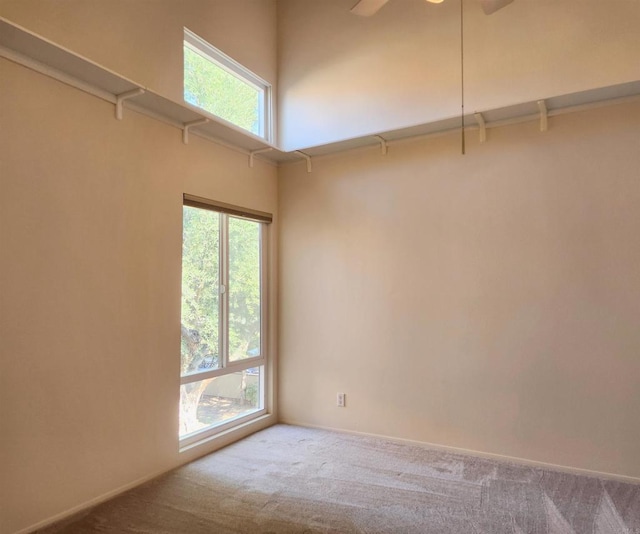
(241, 365)
(224, 289)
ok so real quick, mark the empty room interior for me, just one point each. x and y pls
(397, 289)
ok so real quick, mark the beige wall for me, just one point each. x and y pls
(487, 301)
(341, 76)
(90, 234)
(142, 39)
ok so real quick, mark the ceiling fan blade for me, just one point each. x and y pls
(491, 6)
(366, 8)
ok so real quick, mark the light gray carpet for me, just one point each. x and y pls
(289, 479)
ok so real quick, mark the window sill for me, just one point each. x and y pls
(227, 436)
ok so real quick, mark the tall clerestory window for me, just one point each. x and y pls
(219, 85)
(223, 320)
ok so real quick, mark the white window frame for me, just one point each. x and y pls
(226, 367)
(217, 57)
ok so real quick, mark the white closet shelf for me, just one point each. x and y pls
(524, 112)
(29, 49)
(26, 48)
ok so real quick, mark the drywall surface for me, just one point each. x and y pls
(487, 301)
(342, 76)
(91, 241)
(142, 39)
(90, 233)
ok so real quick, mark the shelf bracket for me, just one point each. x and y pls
(482, 125)
(308, 158)
(544, 114)
(125, 96)
(259, 151)
(188, 125)
(383, 144)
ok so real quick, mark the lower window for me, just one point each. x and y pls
(218, 400)
(223, 321)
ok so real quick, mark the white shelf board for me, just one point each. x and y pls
(524, 112)
(27, 48)
(46, 53)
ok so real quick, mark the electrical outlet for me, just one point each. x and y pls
(341, 400)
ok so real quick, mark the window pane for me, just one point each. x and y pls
(208, 403)
(216, 90)
(244, 289)
(200, 290)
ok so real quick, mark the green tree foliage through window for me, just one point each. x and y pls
(244, 289)
(214, 89)
(200, 290)
(221, 275)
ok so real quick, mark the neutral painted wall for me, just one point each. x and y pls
(90, 241)
(142, 39)
(342, 76)
(488, 301)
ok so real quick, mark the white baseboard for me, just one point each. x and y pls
(269, 420)
(90, 503)
(480, 454)
(187, 455)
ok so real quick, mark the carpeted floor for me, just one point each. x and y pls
(289, 479)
